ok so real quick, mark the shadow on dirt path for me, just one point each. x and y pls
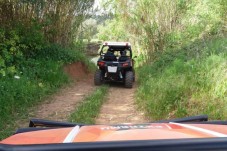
(120, 107)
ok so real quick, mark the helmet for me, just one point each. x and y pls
(123, 53)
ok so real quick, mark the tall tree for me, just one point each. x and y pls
(59, 19)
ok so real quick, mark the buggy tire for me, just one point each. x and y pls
(129, 79)
(98, 78)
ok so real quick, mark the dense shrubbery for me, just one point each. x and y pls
(36, 39)
(30, 68)
(186, 82)
(25, 83)
(154, 26)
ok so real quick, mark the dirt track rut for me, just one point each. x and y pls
(61, 105)
(120, 107)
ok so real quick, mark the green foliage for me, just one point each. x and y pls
(36, 40)
(186, 82)
(57, 20)
(37, 79)
(28, 76)
(32, 39)
(154, 26)
(20, 44)
(87, 111)
(112, 30)
(58, 53)
(11, 51)
(90, 29)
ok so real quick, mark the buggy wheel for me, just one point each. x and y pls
(129, 79)
(98, 78)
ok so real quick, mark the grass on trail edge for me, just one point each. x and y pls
(186, 84)
(88, 110)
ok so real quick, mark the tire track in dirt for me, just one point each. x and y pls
(120, 107)
(61, 105)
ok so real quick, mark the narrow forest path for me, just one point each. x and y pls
(120, 107)
(61, 105)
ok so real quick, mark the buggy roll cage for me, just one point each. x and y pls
(199, 119)
(40, 124)
(47, 123)
(120, 48)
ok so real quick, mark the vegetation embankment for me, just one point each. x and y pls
(36, 40)
(188, 76)
(188, 82)
(87, 111)
(181, 48)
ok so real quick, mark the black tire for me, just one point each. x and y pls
(98, 78)
(129, 79)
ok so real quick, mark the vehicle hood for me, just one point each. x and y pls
(122, 132)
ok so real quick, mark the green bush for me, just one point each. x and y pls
(187, 82)
(30, 69)
(38, 79)
(58, 53)
(11, 51)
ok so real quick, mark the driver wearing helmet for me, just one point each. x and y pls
(123, 56)
(109, 56)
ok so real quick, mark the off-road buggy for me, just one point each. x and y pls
(115, 64)
(191, 133)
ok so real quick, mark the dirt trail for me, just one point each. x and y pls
(120, 107)
(60, 105)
